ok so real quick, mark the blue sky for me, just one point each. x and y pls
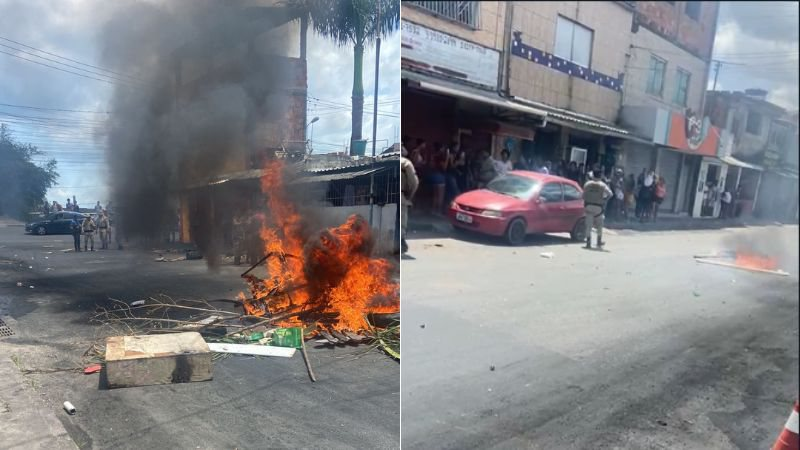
(69, 28)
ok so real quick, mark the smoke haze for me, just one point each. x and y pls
(201, 87)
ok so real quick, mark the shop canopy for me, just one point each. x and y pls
(731, 161)
(583, 122)
(463, 91)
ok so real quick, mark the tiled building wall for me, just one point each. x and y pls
(537, 23)
(489, 33)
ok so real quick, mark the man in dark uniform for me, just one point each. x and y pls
(595, 196)
(75, 228)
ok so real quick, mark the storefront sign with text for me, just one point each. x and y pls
(448, 55)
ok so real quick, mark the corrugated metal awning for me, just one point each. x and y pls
(731, 161)
(335, 176)
(465, 92)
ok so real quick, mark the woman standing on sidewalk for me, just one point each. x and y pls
(658, 195)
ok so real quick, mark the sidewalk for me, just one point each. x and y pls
(423, 221)
(28, 423)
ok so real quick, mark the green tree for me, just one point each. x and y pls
(23, 184)
(357, 23)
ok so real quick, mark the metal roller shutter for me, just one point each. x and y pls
(669, 164)
(637, 158)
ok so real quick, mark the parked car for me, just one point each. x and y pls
(522, 203)
(55, 223)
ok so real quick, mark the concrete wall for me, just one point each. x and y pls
(491, 20)
(646, 43)
(537, 23)
(671, 22)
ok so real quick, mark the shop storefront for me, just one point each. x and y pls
(682, 148)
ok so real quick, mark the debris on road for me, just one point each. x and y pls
(249, 349)
(734, 265)
(67, 250)
(19, 284)
(157, 359)
(547, 255)
(138, 303)
(696, 294)
(163, 259)
(69, 408)
(94, 368)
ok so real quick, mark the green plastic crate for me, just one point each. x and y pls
(288, 337)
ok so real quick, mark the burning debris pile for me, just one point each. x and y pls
(327, 280)
(756, 252)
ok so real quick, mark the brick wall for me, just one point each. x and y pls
(670, 20)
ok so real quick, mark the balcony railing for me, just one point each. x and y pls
(462, 12)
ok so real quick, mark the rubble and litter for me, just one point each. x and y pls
(94, 368)
(19, 284)
(547, 255)
(69, 408)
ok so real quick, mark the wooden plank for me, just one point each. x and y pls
(251, 349)
(195, 326)
(157, 359)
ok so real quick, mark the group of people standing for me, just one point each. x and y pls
(57, 207)
(87, 228)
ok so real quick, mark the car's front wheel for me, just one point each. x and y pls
(516, 232)
(41, 230)
(578, 232)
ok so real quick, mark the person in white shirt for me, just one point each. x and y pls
(504, 165)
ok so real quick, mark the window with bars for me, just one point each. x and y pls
(655, 78)
(682, 87)
(461, 12)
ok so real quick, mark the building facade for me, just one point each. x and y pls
(759, 144)
(668, 59)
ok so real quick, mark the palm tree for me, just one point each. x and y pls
(357, 23)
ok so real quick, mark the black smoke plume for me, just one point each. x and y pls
(202, 80)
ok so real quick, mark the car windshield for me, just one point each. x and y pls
(514, 185)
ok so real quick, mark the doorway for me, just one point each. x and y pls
(710, 184)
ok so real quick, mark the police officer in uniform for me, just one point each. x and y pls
(595, 197)
(88, 226)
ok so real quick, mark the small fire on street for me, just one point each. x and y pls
(329, 279)
(744, 259)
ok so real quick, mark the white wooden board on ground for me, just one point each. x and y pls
(251, 349)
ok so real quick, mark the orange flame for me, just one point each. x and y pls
(756, 261)
(330, 278)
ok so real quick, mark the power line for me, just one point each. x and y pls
(54, 109)
(57, 68)
(66, 65)
(67, 59)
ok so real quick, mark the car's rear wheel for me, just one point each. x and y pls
(41, 230)
(578, 232)
(516, 232)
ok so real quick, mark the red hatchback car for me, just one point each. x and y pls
(522, 203)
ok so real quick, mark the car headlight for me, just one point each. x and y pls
(490, 213)
(453, 204)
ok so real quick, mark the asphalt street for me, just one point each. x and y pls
(251, 403)
(636, 347)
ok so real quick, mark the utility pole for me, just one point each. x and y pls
(375, 110)
(717, 65)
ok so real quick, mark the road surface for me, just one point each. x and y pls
(251, 403)
(639, 347)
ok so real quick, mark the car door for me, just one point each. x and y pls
(573, 206)
(61, 224)
(550, 203)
